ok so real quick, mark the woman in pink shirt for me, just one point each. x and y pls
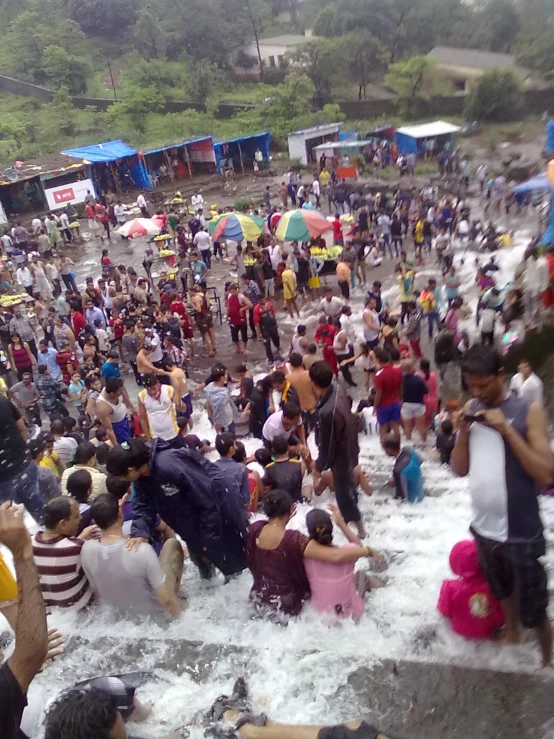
(335, 587)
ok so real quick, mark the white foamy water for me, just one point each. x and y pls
(294, 672)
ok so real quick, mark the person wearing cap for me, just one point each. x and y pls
(157, 411)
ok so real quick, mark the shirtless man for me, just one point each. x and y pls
(204, 320)
(144, 363)
(182, 396)
(111, 409)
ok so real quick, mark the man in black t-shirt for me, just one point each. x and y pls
(31, 640)
(18, 476)
(284, 473)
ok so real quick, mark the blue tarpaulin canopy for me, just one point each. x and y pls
(177, 146)
(109, 151)
(242, 148)
(538, 182)
(112, 151)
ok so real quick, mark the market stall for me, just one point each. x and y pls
(303, 142)
(415, 139)
(115, 165)
(180, 161)
(329, 257)
(344, 155)
(238, 155)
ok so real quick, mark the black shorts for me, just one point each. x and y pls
(364, 731)
(508, 567)
(186, 400)
(204, 323)
(345, 289)
(239, 332)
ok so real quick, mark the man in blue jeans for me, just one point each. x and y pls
(18, 475)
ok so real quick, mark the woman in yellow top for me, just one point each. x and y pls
(289, 291)
(8, 594)
(51, 460)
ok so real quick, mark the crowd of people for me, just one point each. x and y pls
(124, 493)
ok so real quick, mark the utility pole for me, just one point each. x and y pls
(112, 79)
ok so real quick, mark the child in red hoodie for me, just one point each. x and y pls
(468, 602)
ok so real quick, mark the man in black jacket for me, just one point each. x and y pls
(337, 441)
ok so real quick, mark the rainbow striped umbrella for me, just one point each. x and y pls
(236, 227)
(301, 225)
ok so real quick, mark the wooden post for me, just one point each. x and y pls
(241, 159)
(187, 157)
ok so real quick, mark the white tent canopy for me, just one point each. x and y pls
(341, 145)
(429, 130)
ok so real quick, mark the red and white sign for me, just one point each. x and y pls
(73, 193)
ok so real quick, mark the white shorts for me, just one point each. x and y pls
(93, 225)
(412, 410)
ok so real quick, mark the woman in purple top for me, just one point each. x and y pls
(275, 556)
(484, 282)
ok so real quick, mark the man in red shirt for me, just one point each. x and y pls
(103, 218)
(91, 217)
(388, 394)
(78, 322)
(338, 237)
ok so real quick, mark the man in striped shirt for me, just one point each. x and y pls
(57, 555)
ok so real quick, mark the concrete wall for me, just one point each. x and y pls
(17, 87)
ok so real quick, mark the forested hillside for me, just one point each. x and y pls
(146, 53)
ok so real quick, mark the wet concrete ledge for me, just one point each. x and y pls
(414, 700)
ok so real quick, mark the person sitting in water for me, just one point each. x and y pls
(406, 472)
(58, 555)
(468, 602)
(285, 473)
(336, 588)
(275, 556)
(131, 580)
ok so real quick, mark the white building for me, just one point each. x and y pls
(244, 58)
(302, 142)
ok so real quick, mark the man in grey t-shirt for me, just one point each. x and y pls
(133, 581)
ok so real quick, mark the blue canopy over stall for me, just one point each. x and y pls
(538, 183)
(128, 168)
(241, 151)
(185, 159)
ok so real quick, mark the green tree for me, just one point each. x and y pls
(322, 61)
(25, 42)
(103, 17)
(203, 80)
(502, 21)
(66, 69)
(325, 23)
(150, 38)
(415, 79)
(136, 107)
(166, 76)
(496, 96)
(366, 59)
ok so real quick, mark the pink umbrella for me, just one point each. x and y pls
(139, 227)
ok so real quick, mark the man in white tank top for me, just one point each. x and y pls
(111, 408)
(157, 412)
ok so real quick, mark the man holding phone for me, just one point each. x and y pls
(503, 446)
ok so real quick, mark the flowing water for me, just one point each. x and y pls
(400, 667)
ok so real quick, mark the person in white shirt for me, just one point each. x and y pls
(331, 305)
(7, 243)
(197, 201)
(142, 204)
(119, 213)
(203, 241)
(36, 225)
(526, 384)
(25, 278)
(133, 581)
(316, 189)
